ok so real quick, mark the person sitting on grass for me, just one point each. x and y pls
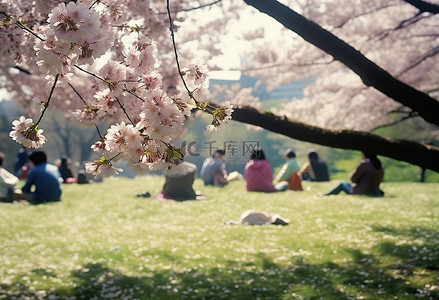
(65, 170)
(366, 178)
(288, 177)
(44, 177)
(20, 163)
(7, 182)
(213, 171)
(314, 169)
(179, 184)
(257, 173)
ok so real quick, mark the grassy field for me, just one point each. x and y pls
(102, 242)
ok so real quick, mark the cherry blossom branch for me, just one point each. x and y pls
(134, 94)
(91, 74)
(21, 69)
(201, 6)
(180, 73)
(24, 27)
(135, 28)
(93, 4)
(171, 25)
(99, 132)
(107, 82)
(20, 24)
(125, 112)
(93, 167)
(340, 25)
(205, 106)
(77, 93)
(26, 132)
(197, 7)
(46, 105)
(402, 25)
(83, 101)
(431, 53)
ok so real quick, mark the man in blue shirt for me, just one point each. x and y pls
(46, 179)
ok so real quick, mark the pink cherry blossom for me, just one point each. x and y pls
(221, 116)
(122, 137)
(26, 133)
(101, 167)
(197, 74)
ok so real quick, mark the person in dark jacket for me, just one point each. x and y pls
(315, 169)
(66, 171)
(366, 178)
(21, 166)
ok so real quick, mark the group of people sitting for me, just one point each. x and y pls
(258, 175)
(42, 181)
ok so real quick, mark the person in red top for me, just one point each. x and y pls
(257, 173)
(366, 178)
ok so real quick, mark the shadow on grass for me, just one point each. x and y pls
(419, 247)
(392, 271)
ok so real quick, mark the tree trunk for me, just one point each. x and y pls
(425, 156)
(369, 72)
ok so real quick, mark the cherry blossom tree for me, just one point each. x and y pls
(54, 42)
(412, 23)
(399, 37)
(139, 66)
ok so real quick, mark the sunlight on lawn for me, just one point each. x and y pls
(102, 242)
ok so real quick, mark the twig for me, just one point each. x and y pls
(206, 106)
(198, 7)
(80, 97)
(134, 94)
(48, 100)
(90, 73)
(99, 132)
(410, 115)
(123, 108)
(171, 25)
(22, 26)
(77, 93)
(91, 6)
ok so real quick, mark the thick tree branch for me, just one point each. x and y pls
(424, 6)
(425, 156)
(369, 72)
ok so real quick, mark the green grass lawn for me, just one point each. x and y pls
(102, 242)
